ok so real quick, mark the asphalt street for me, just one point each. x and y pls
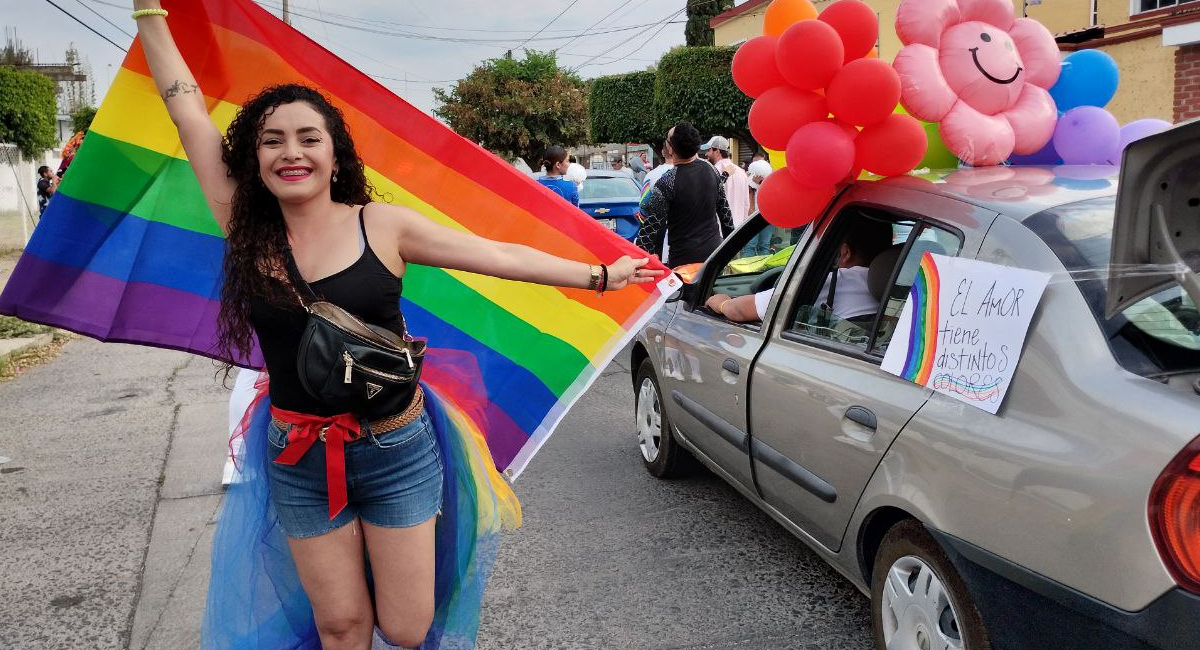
(109, 478)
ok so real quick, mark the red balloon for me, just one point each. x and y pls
(891, 147)
(856, 23)
(788, 204)
(820, 154)
(776, 115)
(754, 68)
(809, 53)
(864, 92)
(850, 129)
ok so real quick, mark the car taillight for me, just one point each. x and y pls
(1175, 516)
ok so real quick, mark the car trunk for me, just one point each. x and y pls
(1156, 232)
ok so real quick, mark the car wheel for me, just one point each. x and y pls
(918, 600)
(661, 454)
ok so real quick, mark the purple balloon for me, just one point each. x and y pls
(1136, 130)
(1086, 135)
(1044, 156)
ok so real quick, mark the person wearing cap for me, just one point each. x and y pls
(737, 189)
(618, 165)
(758, 172)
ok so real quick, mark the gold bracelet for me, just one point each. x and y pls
(142, 13)
(594, 282)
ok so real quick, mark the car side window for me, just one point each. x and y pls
(758, 264)
(837, 302)
(858, 280)
(924, 239)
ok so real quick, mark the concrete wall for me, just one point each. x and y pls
(1147, 79)
(740, 28)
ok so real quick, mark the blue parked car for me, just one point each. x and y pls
(612, 199)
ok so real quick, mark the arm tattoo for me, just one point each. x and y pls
(180, 88)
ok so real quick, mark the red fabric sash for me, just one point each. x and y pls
(335, 431)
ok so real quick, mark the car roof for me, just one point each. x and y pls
(1015, 191)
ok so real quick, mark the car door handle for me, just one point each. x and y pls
(732, 366)
(862, 416)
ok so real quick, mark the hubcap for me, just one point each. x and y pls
(917, 612)
(649, 420)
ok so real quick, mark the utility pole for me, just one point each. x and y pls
(287, 18)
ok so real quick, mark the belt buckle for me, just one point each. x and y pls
(321, 433)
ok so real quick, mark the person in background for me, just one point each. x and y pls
(759, 155)
(758, 171)
(737, 191)
(555, 164)
(687, 204)
(47, 184)
(618, 165)
(637, 169)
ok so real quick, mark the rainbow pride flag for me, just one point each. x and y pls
(128, 250)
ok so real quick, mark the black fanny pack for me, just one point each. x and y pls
(350, 365)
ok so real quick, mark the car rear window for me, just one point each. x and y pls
(1157, 336)
(610, 188)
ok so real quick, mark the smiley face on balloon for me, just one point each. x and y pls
(981, 73)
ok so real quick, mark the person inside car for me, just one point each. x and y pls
(851, 296)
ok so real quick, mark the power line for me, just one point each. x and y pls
(664, 22)
(101, 16)
(593, 26)
(89, 27)
(573, 2)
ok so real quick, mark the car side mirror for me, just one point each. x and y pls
(686, 293)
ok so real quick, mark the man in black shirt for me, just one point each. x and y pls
(686, 215)
(45, 187)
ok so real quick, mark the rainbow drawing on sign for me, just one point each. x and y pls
(922, 332)
(988, 390)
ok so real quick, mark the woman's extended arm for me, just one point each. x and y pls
(421, 241)
(181, 94)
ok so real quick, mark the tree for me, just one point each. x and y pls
(694, 84)
(699, 13)
(621, 108)
(81, 118)
(517, 107)
(27, 111)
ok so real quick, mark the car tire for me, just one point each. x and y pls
(661, 453)
(918, 600)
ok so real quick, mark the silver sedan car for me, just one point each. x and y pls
(1071, 518)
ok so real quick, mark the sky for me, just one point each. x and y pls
(422, 45)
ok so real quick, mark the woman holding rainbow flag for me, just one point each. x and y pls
(288, 189)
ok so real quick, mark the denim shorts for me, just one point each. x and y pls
(393, 480)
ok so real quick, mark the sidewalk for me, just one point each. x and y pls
(110, 479)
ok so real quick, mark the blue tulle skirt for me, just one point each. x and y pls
(255, 601)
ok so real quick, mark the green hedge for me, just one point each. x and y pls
(695, 84)
(621, 108)
(27, 111)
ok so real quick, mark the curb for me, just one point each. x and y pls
(28, 344)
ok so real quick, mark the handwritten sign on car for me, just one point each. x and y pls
(964, 325)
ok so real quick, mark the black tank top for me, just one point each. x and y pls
(366, 289)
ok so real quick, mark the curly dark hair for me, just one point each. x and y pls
(257, 238)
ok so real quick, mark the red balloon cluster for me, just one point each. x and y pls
(822, 96)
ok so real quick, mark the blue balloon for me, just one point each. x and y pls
(1088, 78)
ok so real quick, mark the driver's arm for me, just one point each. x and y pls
(741, 309)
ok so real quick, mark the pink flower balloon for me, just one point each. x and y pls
(979, 71)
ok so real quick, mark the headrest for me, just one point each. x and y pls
(880, 271)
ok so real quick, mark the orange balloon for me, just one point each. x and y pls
(873, 54)
(785, 13)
